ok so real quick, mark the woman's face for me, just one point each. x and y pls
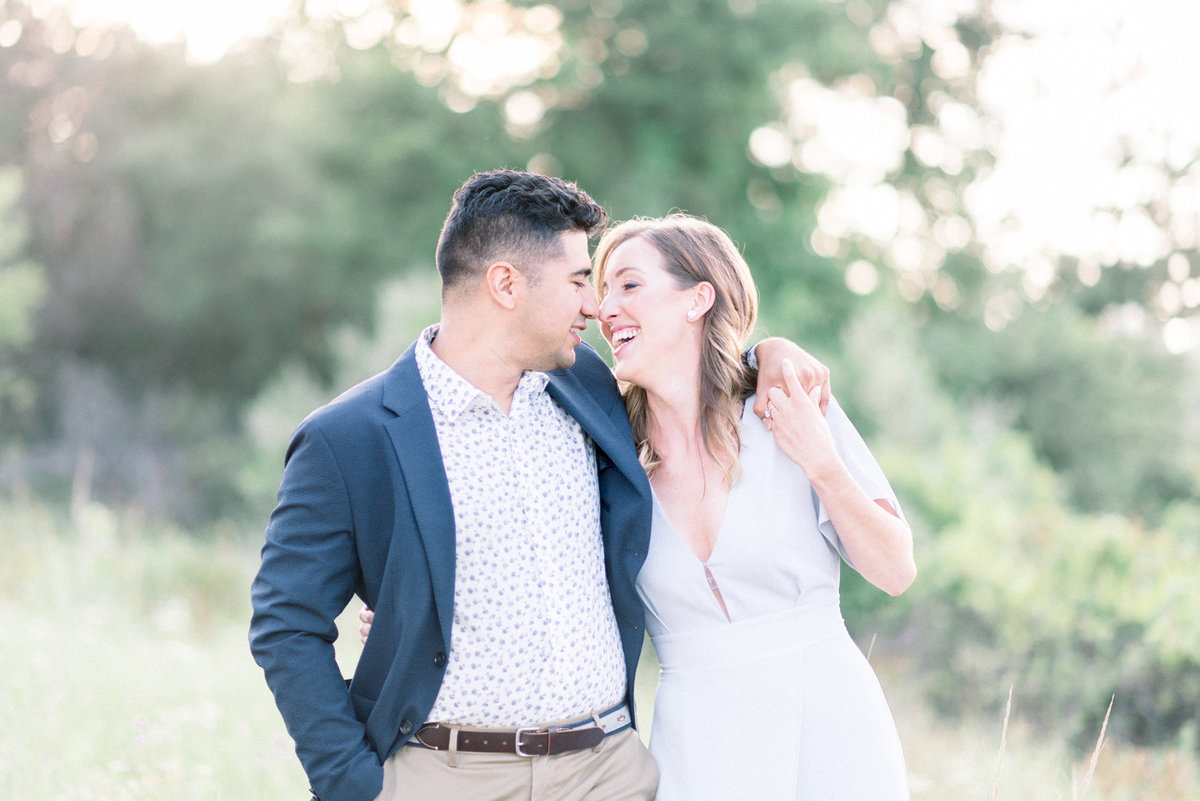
(644, 314)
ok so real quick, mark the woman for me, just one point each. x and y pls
(762, 694)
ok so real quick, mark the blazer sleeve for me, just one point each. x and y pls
(307, 576)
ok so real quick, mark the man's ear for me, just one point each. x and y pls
(505, 284)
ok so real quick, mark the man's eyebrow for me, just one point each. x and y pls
(586, 273)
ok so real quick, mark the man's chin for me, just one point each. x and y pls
(565, 360)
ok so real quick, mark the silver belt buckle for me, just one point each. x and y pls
(517, 739)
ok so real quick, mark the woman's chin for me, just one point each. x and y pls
(630, 374)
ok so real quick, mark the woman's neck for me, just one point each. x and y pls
(674, 416)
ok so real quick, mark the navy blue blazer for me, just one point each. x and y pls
(364, 509)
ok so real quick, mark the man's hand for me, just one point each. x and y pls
(771, 353)
(365, 618)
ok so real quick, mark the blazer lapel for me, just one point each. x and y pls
(415, 442)
(608, 427)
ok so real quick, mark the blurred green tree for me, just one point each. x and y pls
(200, 228)
(1110, 412)
(668, 123)
(203, 226)
(22, 289)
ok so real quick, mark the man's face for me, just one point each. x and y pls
(558, 305)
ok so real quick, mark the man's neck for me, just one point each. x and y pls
(480, 358)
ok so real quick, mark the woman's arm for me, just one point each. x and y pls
(877, 541)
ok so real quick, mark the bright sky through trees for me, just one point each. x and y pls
(1090, 109)
(210, 27)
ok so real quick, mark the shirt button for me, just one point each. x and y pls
(406, 727)
(439, 660)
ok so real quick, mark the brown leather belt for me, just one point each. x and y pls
(527, 741)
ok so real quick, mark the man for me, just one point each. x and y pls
(484, 498)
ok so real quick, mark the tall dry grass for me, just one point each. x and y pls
(129, 678)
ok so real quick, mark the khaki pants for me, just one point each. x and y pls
(619, 769)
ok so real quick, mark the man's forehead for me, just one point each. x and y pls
(575, 250)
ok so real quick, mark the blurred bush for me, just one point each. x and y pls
(1016, 587)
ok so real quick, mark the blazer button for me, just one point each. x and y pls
(406, 727)
(439, 660)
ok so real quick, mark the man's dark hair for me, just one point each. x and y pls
(506, 215)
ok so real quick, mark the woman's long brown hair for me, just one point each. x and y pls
(695, 251)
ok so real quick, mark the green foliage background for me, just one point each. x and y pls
(194, 256)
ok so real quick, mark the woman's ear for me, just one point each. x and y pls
(703, 297)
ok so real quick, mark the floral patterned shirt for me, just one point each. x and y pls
(534, 638)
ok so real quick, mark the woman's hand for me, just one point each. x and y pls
(799, 425)
(365, 617)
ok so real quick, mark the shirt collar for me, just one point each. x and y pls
(452, 395)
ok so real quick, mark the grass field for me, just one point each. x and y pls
(132, 680)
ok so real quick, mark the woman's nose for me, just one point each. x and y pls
(606, 307)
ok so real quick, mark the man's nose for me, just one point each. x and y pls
(590, 309)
